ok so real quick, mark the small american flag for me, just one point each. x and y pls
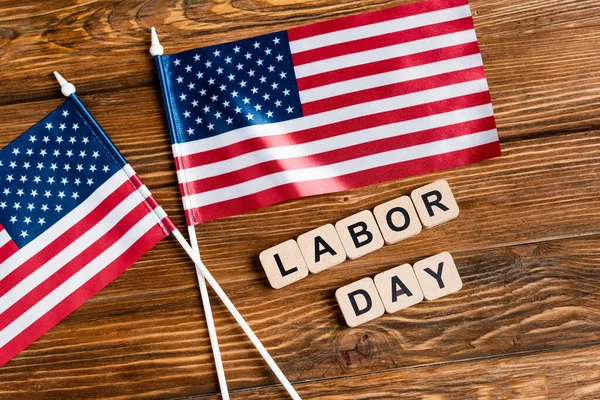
(73, 216)
(327, 107)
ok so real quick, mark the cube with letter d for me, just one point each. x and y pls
(360, 302)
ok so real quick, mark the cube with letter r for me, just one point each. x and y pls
(435, 203)
(359, 302)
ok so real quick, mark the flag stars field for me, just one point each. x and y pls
(237, 85)
(73, 167)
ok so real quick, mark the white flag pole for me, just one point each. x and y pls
(68, 89)
(157, 50)
(238, 317)
(212, 332)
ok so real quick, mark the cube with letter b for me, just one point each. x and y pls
(283, 264)
(435, 203)
(360, 302)
(359, 234)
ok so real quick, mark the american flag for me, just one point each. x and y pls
(327, 107)
(73, 216)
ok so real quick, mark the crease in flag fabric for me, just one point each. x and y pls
(73, 216)
(327, 107)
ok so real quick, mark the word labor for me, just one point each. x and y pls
(359, 234)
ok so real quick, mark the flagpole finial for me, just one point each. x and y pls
(155, 49)
(66, 88)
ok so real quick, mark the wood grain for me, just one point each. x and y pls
(525, 325)
(570, 374)
(516, 299)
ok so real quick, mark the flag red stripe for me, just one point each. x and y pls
(335, 129)
(377, 42)
(70, 235)
(7, 250)
(341, 154)
(169, 225)
(81, 295)
(396, 89)
(73, 266)
(388, 14)
(388, 65)
(346, 182)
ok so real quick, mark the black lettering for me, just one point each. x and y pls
(282, 270)
(437, 202)
(362, 232)
(437, 275)
(391, 224)
(399, 288)
(319, 241)
(365, 294)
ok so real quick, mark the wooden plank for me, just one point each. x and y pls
(501, 200)
(523, 298)
(569, 374)
(540, 56)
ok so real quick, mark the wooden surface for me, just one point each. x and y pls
(527, 242)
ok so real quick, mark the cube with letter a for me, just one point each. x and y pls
(321, 248)
(398, 288)
(435, 203)
(283, 264)
(360, 302)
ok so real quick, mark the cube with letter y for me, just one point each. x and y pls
(360, 302)
(435, 203)
(283, 264)
(438, 276)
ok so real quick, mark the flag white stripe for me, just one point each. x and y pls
(329, 117)
(392, 77)
(76, 281)
(380, 54)
(70, 252)
(335, 142)
(4, 237)
(343, 168)
(60, 227)
(380, 28)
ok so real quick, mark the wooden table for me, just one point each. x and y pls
(526, 323)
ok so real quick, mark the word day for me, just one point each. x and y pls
(398, 288)
(359, 234)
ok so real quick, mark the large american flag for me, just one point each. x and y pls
(73, 216)
(327, 107)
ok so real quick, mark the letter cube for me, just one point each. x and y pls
(397, 220)
(437, 276)
(359, 234)
(398, 288)
(359, 302)
(283, 264)
(435, 203)
(321, 248)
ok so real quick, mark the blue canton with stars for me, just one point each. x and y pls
(49, 170)
(213, 90)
